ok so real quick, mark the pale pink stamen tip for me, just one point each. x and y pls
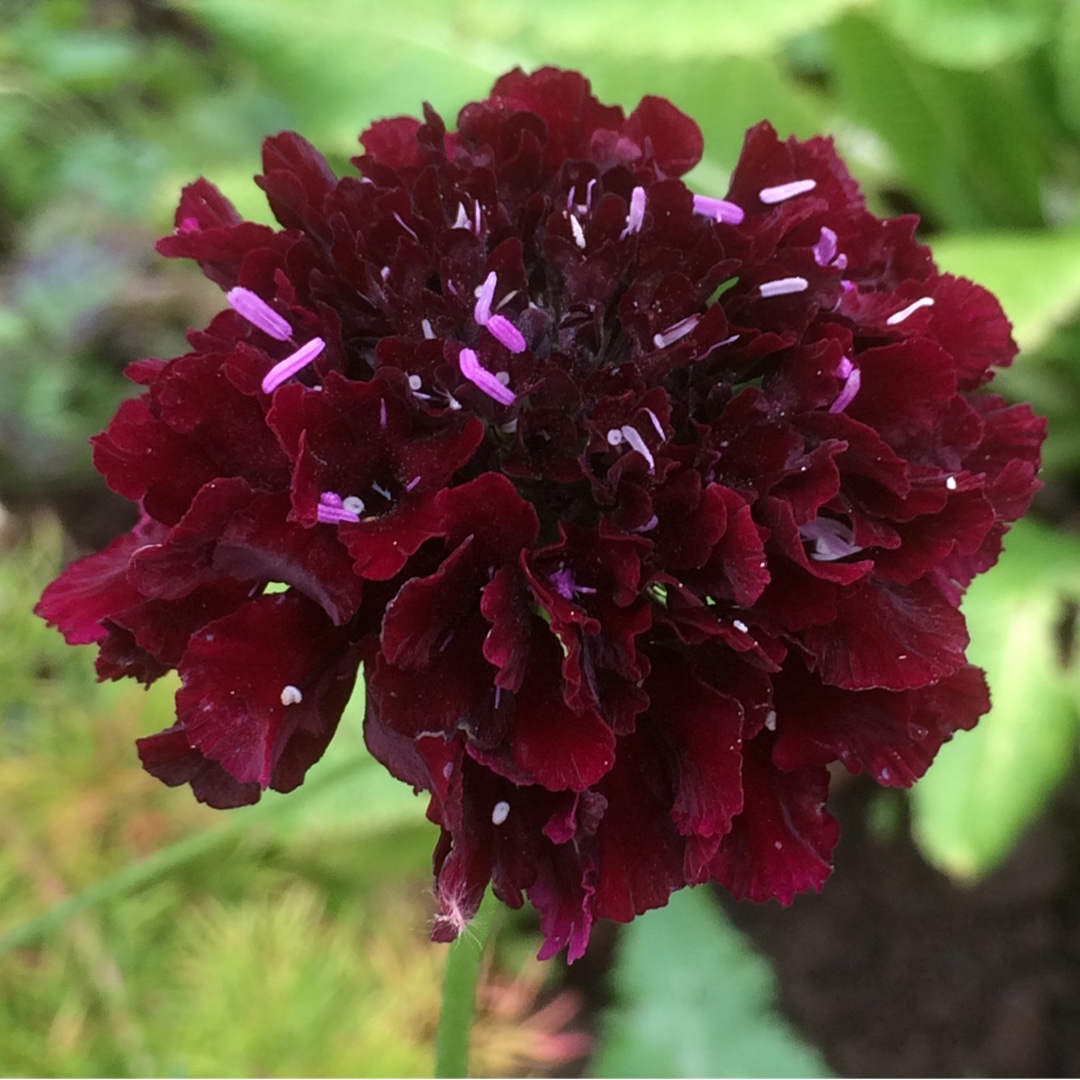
(506, 333)
(783, 286)
(330, 498)
(781, 192)
(288, 367)
(258, 312)
(636, 217)
(483, 379)
(189, 225)
(412, 483)
(401, 222)
(844, 368)
(903, 313)
(633, 437)
(676, 332)
(825, 248)
(382, 414)
(719, 209)
(656, 423)
(847, 395)
(482, 311)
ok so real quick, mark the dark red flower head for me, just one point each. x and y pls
(639, 507)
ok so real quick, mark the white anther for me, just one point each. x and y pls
(578, 231)
(425, 325)
(903, 313)
(740, 625)
(770, 720)
(415, 382)
(950, 483)
(291, 695)
(354, 504)
(614, 437)
(783, 286)
(462, 219)
(503, 377)
(500, 812)
(786, 191)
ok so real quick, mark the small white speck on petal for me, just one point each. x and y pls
(500, 812)
(950, 483)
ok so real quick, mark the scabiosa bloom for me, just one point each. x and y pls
(639, 507)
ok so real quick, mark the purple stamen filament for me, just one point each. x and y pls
(258, 312)
(293, 363)
(786, 191)
(718, 209)
(483, 379)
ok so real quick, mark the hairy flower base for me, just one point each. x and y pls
(639, 507)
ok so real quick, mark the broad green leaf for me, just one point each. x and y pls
(938, 125)
(1035, 275)
(970, 33)
(693, 999)
(988, 785)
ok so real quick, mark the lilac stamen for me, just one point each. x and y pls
(656, 423)
(425, 326)
(288, 367)
(258, 312)
(636, 217)
(719, 209)
(412, 483)
(900, 316)
(481, 378)
(844, 368)
(331, 509)
(476, 217)
(484, 297)
(382, 413)
(648, 526)
(825, 248)
(566, 586)
(506, 333)
(676, 332)
(847, 395)
(633, 437)
(716, 345)
(783, 286)
(786, 191)
(832, 539)
(398, 219)
(462, 219)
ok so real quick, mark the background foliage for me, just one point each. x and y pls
(289, 938)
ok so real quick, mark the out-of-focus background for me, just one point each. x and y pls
(290, 938)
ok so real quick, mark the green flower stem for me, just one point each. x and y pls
(459, 993)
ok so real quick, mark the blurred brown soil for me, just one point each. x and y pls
(892, 970)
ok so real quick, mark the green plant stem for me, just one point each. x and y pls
(459, 993)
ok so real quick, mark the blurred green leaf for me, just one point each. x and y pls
(1035, 275)
(939, 125)
(970, 33)
(988, 785)
(695, 1000)
(1067, 65)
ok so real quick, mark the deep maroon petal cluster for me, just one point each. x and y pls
(638, 507)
